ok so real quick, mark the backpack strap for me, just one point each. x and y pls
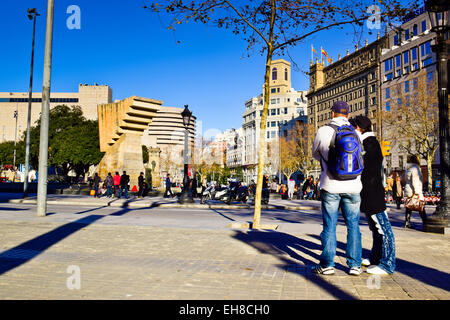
(335, 128)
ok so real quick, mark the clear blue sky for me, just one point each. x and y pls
(130, 49)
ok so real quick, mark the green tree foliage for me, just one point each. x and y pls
(7, 153)
(145, 154)
(73, 141)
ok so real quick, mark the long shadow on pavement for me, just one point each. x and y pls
(15, 257)
(279, 244)
(416, 271)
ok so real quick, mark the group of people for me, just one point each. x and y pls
(117, 185)
(192, 186)
(12, 174)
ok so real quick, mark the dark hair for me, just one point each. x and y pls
(412, 158)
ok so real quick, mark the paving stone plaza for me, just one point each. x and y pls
(140, 252)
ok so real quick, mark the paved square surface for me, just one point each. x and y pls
(144, 253)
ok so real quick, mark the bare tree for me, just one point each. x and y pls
(273, 26)
(412, 121)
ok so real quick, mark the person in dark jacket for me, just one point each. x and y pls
(141, 181)
(97, 181)
(168, 187)
(109, 182)
(382, 255)
(124, 180)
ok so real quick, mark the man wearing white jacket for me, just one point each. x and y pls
(335, 194)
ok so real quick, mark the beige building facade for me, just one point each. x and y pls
(354, 78)
(285, 103)
(88, 98)
(407, 60)
(166, 133)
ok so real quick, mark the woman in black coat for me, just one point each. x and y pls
(382, 255)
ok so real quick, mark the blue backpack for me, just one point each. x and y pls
(345, 155)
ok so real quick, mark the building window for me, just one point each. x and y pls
(274, 74)
(414, 53)
(406, 86)
(406, 70)
(388, 106)
(424, 25)
(430, 76)
(273, 90)
(415, 31)
(273, 101)
(396, 40)
(415, 66)
(398, 62)
(406, 34)
(415, 83)
(427, 61)
(399, 73)
(374, 100)
(285, 110)
(273, 124)
(286, 74)
(388, 93)
(389, 76)
(425, 49)
(388, 65)
(405, 57)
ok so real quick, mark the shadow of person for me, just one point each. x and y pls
(426, 275)
(284, 247)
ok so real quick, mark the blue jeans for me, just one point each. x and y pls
(383, 247)
(349, 203)
(108, 191)
(126, 192)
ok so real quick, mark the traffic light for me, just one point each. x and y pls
(385, 148)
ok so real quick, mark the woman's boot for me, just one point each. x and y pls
(407, 219)
(423, 215)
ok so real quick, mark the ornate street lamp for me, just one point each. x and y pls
(438, 14)
(32, 14)
(186, 196)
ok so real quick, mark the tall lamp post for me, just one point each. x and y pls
(45, 115)
(32, 13)
(438, 14)
(186, 196)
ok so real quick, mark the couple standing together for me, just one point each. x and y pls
(352, 182)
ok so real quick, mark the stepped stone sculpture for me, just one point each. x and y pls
(121, 126)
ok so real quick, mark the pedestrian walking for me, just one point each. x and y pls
(124, 180)
(291, 188)
(340, 188)
(389, 186)
(96, 181)
(141, 181)
(382, 256)
(397, 190)
(109, 182)
(116, 179)
(413, 187)
(194, 187)
(168, 187)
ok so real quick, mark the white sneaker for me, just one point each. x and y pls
(355, 271)
(376, 270)
(320, 270)
(365, 262)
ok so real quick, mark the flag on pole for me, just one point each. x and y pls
(312, 54)
(326, 55)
